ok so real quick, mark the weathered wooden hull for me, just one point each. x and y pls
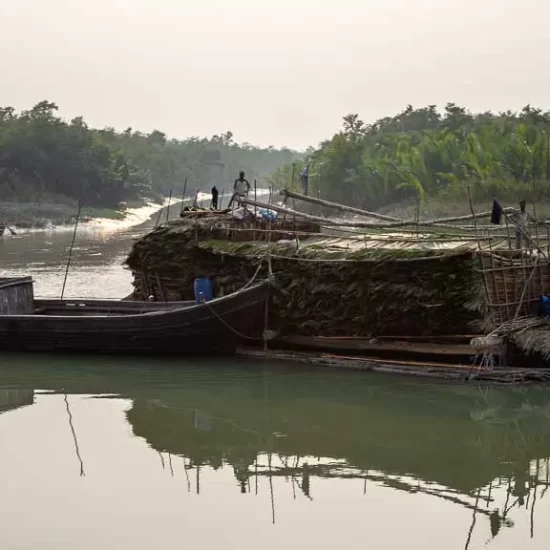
(213, 328)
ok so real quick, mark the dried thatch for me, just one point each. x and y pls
(531, 336)
(327, 286)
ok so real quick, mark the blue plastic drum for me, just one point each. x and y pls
(544, 306)
(203, 290)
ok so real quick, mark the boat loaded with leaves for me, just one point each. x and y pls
(454, 290)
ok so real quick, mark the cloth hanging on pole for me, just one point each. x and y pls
(496, 213)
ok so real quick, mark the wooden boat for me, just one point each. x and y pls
(112, 326)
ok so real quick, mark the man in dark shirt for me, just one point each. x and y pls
(215, 194)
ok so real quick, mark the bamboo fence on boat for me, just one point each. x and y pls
(514, 278)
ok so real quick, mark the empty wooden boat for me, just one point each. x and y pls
(112, 326)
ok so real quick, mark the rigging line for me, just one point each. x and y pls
(271, 490)
(71, 248)
(75, 440)
(229, 327)
(186, 476)
(474, 520)
(170, 463)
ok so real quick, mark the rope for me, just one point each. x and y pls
(71, 248)
(455, 252)
(225, 323)
(73, 432)
(254, 276)
(232, 329)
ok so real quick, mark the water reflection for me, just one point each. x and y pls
(484, 450)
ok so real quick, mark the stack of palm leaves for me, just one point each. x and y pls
(323, 289)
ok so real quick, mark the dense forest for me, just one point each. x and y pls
(417, 154)
(425, 154)
(44, 158)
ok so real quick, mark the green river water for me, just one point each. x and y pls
(130, 453)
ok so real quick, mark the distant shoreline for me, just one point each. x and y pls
(33, 215)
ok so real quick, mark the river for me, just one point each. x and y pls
(162, 453)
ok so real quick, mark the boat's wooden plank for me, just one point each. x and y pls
(107, 305)
(499, 375)
(373, 345)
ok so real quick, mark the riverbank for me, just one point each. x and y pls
(35, 215)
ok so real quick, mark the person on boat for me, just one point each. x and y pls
(215, 195)
(521, 219)
(241, 188)
(304, 179)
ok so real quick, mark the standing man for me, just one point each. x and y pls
(304, 178)
(521, 219)
(214, 204)
(241, 188)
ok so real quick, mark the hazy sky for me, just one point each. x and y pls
(274, 72)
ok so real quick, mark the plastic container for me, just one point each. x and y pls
(203, 290)
(544, 306)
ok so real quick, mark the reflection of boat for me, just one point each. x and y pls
(482, 449)
(113, 326)
(13, 398)
(401, 429)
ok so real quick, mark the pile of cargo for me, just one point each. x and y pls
(326, 285)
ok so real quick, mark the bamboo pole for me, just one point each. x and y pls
(495, 288)
(183, 195)
(343, 223)
(168, 207)
(158, 217)
(161, 288)
(398, 221)
(294, 202)
(541, 276)
(512, 267)
(337, 206)
(487, 295)
(255, 211)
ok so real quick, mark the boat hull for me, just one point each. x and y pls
(207, 329)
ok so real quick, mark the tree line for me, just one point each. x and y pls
(45, 158)
(422, 153)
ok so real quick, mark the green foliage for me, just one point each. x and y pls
(421, 153)
(44, 158)
(41, 155)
